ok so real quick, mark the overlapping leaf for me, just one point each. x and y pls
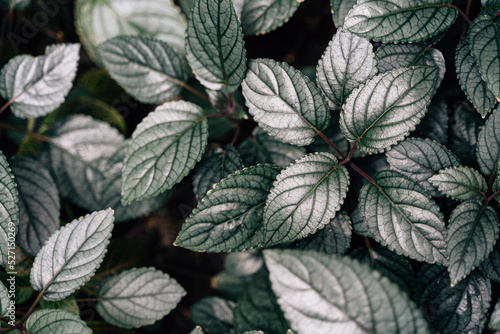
(488, 145)
(383, 111)
(435, 123)
(400, 21)
(472, 233)
(214, 314)
(491, 266)
(304, 198)
(347, 62)
(148, 69)
(9, 210)
(4, 300)
(284, 102)
(71, 255)
(460, 183)
(340, 8)
(165, 146)
(262, 16)
(214, 45)
(56, 322)
(230, 217)
(38, 85)
(325, 294)
(491, 4)
(464, 134)
(402, 216)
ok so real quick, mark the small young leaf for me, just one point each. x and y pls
(9, 210)
(214, 45)
(37, 86)
(148, 69)
(137, 297)
(216, 165)
(472, 84)
(460, 183)
(214, 314)
(435, 123)
(304, 198)
(383, 111)
(464, 134)
(472, 233)
(335, 238)
(403, 217)
(56, 322)
(419, 159)
(488, 145)
(165, 146)
(71, 255)
(230, 217)
(284, 102)
(485, 48)
(262, 16)
(39, 204)
(340, 8)
(327, 294)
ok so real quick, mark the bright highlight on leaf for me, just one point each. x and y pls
(460, 183)
(263, 16)
(9, 210)
(56, 322)
(488, 145)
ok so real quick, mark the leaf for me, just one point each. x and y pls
(137, 297)
(39, 204)
(493, 4)
(230, 217)
(258, 309)
(419, 159)
(263, 16)
(329, 294)
(460, 183)
(470, 80)
(383, 111)
(101, 327)
(9, 211)
(391, 56)
(100, 20)
(165, 146)
(197, 330)
(485, 48)
(304, 198)
(214, 314)
(435, 123)
(216, 165)
(56, 322)
(262, 148)
(490, 267)
(214, 45)
(67, 304)
(4, 300)
(472, 233)
(16, 4)
(35, 86)
(340, 8)
(333, 133)
(335, 238)
(71, 255)
(359, 226)
(347, 62)
(400, 21)
(496, 188)
(284, 102)
(464, 134)
(453, 309)
(488, 145)
(403, 217)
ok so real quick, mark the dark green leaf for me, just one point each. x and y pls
(488, 145)
(68, 304)
(464, 134)
(493, 4)
(214, 314)
(56, 322)
(460, 183)
(9, 210)
(435, 123)
(491, 266)
(359, 226)
(101, 327)
(340, 8)
(262, 16)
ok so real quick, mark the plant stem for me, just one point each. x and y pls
(329, 142)
(5, 106)
(216, 116)
(35, 135)
(370, 251)
(462, 14)
(32, 308)
(194, 91)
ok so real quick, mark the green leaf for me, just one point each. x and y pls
(493, 4)
(340, 8)
(491, 266)
(347, 62)
(230, 217)
(285, 103)
(400, 21)
(391, 56)
(216, 165)
(419, 159)
(68, 304)
(383, 111)
(262, 16)
(258, 309)
(435, 123)
(485, 48)
(359, 226)
(35, 86)
(335, 238)
(403, 217)
(214, 314)
(9, 210)
(71, 255)
(453, 309)
(148, 69)
(261, 148)
(472, 233)
(495, 317)
(496, 188)
(488, 145)
(460, 183)
(100, 20)
(329, 294)
(39, 204)
(464, 134)
(214, 45)
(472, 84)
(101, 327)
(56, 322)
(4, 300)
(304, 198)
(137, 297)
(165, 146)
